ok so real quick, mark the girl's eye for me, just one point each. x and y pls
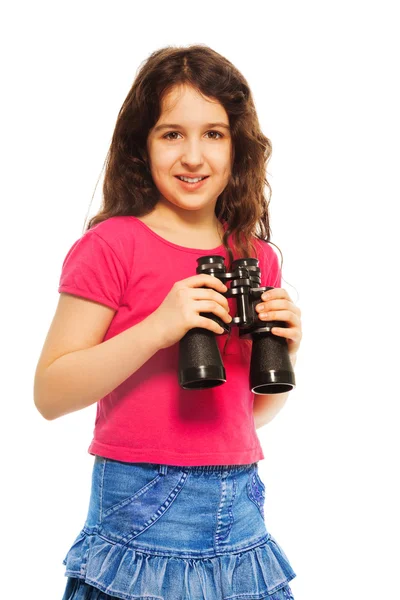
(171, 132)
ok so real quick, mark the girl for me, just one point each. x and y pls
(176, 509)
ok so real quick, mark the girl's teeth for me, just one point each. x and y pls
(191, 180)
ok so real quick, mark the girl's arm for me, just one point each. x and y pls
(76, 369)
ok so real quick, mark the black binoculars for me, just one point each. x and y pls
(200, 362)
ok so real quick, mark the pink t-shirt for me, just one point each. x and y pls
(125, 265)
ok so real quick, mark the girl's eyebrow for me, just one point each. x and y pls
(175, 125)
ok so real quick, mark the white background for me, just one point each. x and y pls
(325, 81)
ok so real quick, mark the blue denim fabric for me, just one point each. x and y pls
(161, 532)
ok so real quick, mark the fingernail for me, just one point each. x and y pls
(265, 296)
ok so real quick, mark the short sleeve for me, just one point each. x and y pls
(92, 269)
(271, 275)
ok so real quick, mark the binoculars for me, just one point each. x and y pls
(200, 362)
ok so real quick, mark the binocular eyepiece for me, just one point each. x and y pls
(200, 362)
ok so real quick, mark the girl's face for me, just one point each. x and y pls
(191, 145)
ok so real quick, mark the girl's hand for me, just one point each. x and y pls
(181, 308)
(277, 306)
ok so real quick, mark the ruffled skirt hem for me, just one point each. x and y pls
(125, 572)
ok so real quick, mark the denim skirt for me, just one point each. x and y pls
(162, 532)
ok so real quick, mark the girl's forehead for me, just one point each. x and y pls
(183, 98)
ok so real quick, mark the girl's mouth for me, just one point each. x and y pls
(192, 186)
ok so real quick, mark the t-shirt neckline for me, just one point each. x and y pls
(177, 246)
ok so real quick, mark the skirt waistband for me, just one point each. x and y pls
(163, 469)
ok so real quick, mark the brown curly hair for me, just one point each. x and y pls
(128, 187)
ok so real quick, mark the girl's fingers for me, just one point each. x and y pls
(279, 304)
(280, 315)
(279, 307)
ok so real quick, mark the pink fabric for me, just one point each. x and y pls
(123, 264)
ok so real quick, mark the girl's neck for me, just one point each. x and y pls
(183, 234)
(189, 221)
